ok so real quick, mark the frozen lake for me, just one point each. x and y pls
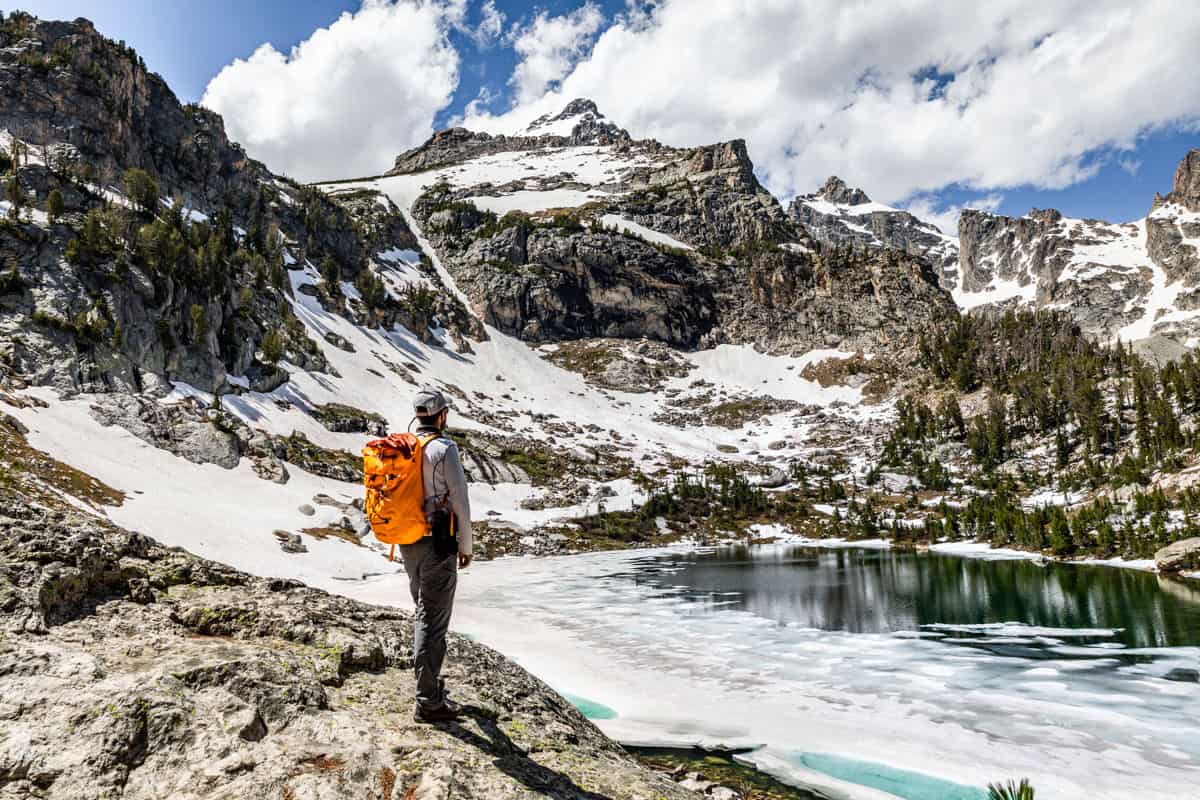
(863, 670)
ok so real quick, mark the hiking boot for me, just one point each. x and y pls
(446, 712)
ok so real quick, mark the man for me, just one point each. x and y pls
(433, 578)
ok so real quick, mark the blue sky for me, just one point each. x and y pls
(189, 43)
(1114, 193)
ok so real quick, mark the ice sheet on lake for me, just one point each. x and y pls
(1081, 720)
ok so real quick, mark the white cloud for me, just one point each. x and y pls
(482, 100)
(491, 25)
(1130, 164)
(348, 99)
(549, 47)
(1030, 90)
(945, 217)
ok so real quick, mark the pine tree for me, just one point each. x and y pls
(14, 195)
(200, 326)
(54, 205)
(1062, 449)
(272, 347)
(142, 190)
(331, 273)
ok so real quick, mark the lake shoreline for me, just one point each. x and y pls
(726, 767)
(769, 534)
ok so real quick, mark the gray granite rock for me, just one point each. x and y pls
(837, 215)
(1179, 556)
(219, 684)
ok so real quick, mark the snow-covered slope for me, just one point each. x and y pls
(502, 387)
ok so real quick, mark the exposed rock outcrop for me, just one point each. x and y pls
(1187, 181)
(179, 428)
(128, 670)
(874, 301)
(629, 366)
(549, 282)
(705, 196)
(840, 216)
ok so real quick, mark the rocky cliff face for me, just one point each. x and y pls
(1131, 281)
(868, 301)
(550, 281)
(551, 241)
(841, 216)
(1097, 270)
(169, 254)
(92, 103)
(707, 197)
(1187, 182)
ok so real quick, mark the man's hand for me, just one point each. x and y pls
(464, 560)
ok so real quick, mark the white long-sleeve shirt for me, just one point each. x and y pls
(443, 476)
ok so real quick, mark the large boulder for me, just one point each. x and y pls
(179, 428)
(1182, 555)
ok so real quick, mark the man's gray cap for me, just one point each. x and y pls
(429, 401)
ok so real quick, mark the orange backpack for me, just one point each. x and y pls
(395, 489)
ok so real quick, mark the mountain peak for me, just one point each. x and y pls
(579, 120)
(836, 190)
(580, 105)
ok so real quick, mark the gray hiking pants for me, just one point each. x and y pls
(432, 581)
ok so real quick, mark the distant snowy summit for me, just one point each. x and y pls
(1136, 281)
(1131, 281)
(581, 122)
(840, 216)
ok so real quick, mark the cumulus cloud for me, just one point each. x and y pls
(349, 98)
(902, 100)
(549, 47)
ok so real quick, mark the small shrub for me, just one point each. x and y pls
(1011, 791)
(10, 282)
(199, 322)
(419, 300)
(14, 195)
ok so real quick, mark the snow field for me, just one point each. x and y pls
(230, 515)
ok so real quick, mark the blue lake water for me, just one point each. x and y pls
(916, 674)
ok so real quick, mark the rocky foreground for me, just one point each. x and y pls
(128, 670)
